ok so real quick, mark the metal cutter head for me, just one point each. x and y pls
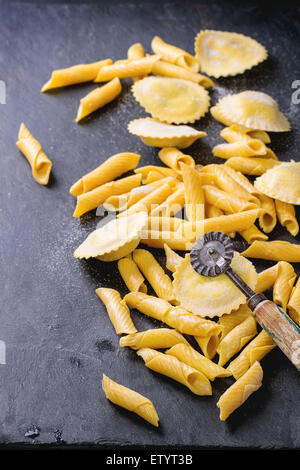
(212, 253)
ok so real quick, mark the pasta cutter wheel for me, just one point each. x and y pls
(211, 256)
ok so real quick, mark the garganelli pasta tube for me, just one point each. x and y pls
(130, 400)
(236, 339)
(251, 166)
(225, 201)
(231, 320)
(261, 345)
(238, 393)
(157, 338)
(194, 195)
(250, 148)
(276, 250)
(253, 233)
(131, 275)
(172, 258)
(111, 169)
(32, 150)
(294, 303)
(175, 317)
(225, 181)
(132, 68)
(135, 52)
(172, 157)
(164, 172)
(188, 355)
(173, 204)
(154, 274)
(75, 74)
(235, 133)
(174, 54)
(166, 69)
(157, 239)
(154, 199)
(208, 344)
(287, 217)
(282, 277)
(170, 366)
(117, 310)
(124, 201)
(224, 223)
(98, 98)
(91, 200)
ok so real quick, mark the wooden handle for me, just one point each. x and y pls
(284, 332)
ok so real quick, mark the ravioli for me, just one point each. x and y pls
(172, 100)
(221, 54)
(158, 134)
(116, 239)
(281, 182)
(211, 296)
(253, 109)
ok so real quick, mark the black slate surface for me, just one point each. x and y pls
(58, 337)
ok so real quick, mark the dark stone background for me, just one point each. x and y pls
(59, 339)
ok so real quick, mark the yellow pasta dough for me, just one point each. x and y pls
(163, 171)
(276, 250)
(75, 74)
(261, 345)
(38, 160)
(209, 296)
(98, 98)
(136, 51)
(237, 133)
(175, 317)
(113, 167)
(117, 310)
(172, 100)
(154, 273)
(221, 54)
(281, 182)
(253, 109)
(130, 400)
(226, 201)
(158, 134)
(170, 366)
(158, 338)
(113, 241)
(174, 54)
(131, 275)
(253, 233)
(188, 355)
(236, 339)
(238, 393)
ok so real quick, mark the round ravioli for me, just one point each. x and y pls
(211, 296)
(116, 239)
(172, 100)
(158, 134)
(253, 109)
(221, 54)
(281, 182)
